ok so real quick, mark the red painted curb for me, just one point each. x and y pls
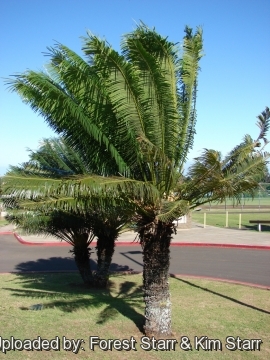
(124, 243)
(63, 243)
(29, 243)
(240, 246)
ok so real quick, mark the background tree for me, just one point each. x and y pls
(74, 228)
(55, 158)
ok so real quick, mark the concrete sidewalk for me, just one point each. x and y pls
(195, 236)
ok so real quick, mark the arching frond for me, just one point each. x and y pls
(123, 90)
(64, 114)
(56, 156)
(67, 226)
(212, 178)
(264, 124)
(70, 193)
(173, 210)
(156, 59)
(192, 53)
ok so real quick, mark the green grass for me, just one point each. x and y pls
(200, 308)
(233, 219)
(246, 202)
(3, 222)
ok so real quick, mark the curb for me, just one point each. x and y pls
(239, 246)
(125, 243)
(63, 243)
(29, 243)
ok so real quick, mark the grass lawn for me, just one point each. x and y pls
(257, 202)
(200, 308)
(3, 222)
(233, 219)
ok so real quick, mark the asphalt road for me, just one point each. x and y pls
(244, 265)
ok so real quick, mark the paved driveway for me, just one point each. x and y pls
(243, 265)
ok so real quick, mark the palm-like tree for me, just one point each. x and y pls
(74, 228)
(134, 115)
(214, 178)
(56, 159)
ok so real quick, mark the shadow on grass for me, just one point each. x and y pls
(264, 227)
(65, 291)
(221, 295)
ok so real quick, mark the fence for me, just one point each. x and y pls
(232, 219)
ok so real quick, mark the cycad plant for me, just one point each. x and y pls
(56, 159)
(73, 227)
(133, 115)
(212, 177)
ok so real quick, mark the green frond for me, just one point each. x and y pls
(248, 146)
(239, 153)
(67, 226)
(78, 78)
(125, 95)
(56, 156)
(76, 191)
(121, 81)
(264, 124)
(63, 113)
(192, 53)
(173, 210)
(156, 60)
(252, 167)
(208, 164)
(211, 179)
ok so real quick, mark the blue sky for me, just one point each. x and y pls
(233, 82)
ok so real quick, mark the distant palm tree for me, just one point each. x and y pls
(133, 114)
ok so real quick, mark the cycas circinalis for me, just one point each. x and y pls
(72, 227)
(212, 177)
(137, 109)
(78, 227)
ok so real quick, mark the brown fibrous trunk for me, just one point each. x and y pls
(155, 240)
(105, 251)
(81, 253)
